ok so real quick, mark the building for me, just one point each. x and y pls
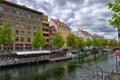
(45, 30)
(53, 32)
(24, 22)
(83, 34)
(62, 28)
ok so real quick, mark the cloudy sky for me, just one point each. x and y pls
(89, 15)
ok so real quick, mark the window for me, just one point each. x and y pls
(22, 26)
(29, 22)
(17, 12)
(34, 28)
(1, 22)
(17, 25)
(10, 17)
(22, 32)
(34, 33)
(29, 16)
(10, 23)
(28, 27)
(17, 32)
(29, 33)
(16, 38)
(28, 39)
(38, 18)
(17, 18)
(1, 8)
(22, 19)
(1, 15)
(10, 10)
(22, 39)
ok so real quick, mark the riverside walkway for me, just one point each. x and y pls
(113, 76)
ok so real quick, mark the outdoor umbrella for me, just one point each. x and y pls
(117, 53)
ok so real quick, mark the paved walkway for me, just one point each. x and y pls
(113, 76)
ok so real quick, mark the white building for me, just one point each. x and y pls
(83, 34)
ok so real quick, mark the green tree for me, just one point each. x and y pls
(113, 43)
(104, 42)
(39, 40)
(115, 7)
(80, 42)
(6, 35)
(58, 40)
(88, 42)
(71, 40)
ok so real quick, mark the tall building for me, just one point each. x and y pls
(24, 22)
(45, 30)
(62, 28)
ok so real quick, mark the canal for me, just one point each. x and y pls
(65, 70)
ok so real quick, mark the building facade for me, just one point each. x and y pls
(45, 30)
(83, 34)
(24, 22)
(53, 32)
(62, 28)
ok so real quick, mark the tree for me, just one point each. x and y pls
(104, 42)
(115, 7)
(113, 43)
(6, 35)
(80, 42)
(115, 20)
(71, 40)
(39, 40)
(58, 40)
(89, 42)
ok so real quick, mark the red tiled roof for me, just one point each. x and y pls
(85, 32)
(57, 21)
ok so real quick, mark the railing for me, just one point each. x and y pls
(99, 74)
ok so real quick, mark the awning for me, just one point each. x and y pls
(8, 45)
(32, 52)
(19, 45)
(117, 53)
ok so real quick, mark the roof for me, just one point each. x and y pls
(32, 52)
(57, 21)
(84, 32)
(19, 6)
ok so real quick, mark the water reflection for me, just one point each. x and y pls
(68, 70)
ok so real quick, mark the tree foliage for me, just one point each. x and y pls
(89, 42)
(58, 40)
(6, 35)
(80, 42)
(104, 42)
(39, 40)
(112, 43)
(71, 40)
(115, 7)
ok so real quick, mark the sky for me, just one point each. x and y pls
(88, 15)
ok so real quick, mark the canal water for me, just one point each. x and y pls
(65, 70)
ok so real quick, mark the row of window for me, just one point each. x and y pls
(20, 19)
(22, 39)
(29, 33)
(19, 12)
(28, 27)
(19, 25)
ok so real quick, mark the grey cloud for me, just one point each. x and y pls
(90, 15)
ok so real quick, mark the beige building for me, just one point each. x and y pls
(24, 22)
(62, 28)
